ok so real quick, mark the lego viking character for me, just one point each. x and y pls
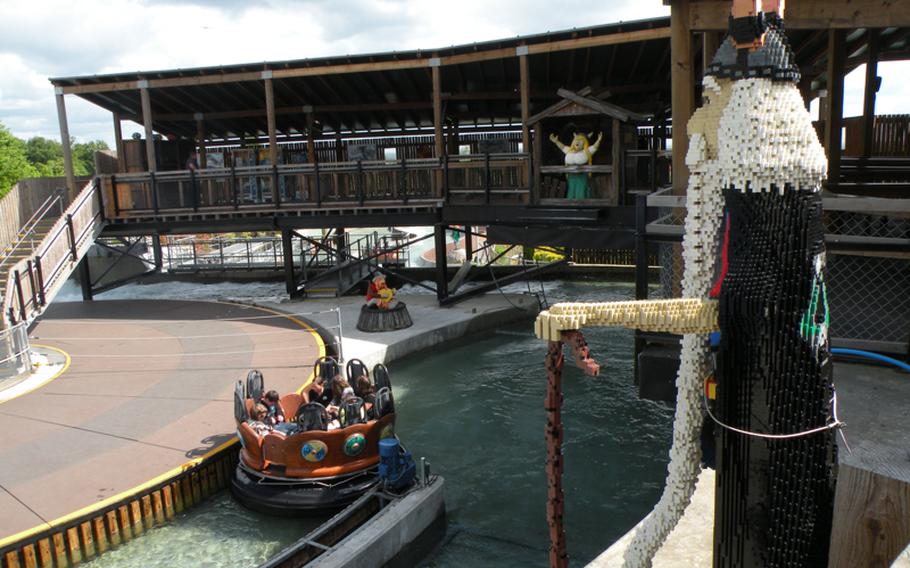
(578, 153)
(379, 295)
(754, 259)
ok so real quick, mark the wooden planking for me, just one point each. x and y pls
(147, 123)
(29, 556)
(60, 558)
(67, 148)
(387, 65)
(835, 106)
(45, 554)
(525, 91)
(682, 76)
(872, 519)
(812, 14)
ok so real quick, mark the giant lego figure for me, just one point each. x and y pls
(578, 153)
(754, 270)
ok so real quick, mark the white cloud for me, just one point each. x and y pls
(65, 38)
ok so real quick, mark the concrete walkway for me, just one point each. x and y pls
(149, 388)
(150, 385)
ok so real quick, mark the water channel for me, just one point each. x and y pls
(475, 410)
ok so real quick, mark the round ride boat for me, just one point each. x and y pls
(324, 451)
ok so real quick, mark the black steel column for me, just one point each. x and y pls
(341, 255)
(156, 251)
(288, 250)
(641, 268)
(468, 243)
(442, 276)
(85, 279)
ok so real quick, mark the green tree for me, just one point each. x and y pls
(41, 150)
(14, 164)
(84, 157)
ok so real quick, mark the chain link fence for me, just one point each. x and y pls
(868, 291)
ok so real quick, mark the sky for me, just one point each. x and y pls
(51, 38)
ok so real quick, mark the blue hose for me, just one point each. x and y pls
(871, 355)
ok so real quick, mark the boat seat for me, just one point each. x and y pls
(248, 404)
(312, 416)
(255, 384)
(352, 411)
(291, 402)
(273, 448)
(381, 377)
(385, 404)
(356, 368)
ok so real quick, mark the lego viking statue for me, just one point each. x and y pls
(754, 270)
(578, 153)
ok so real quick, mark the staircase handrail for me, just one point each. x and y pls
(30, 281)
(28, 229)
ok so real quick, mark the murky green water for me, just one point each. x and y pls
(475, 410)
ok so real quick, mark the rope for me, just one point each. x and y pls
(836, 423)
(496, 282)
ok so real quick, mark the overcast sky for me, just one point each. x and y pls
(49, 38)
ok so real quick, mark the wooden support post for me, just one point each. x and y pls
(553, 434)
(835, 106)
(442, 278)
(147, 122)
(710, 41)
(616, 174)
(200, 142)
(310, 138)
(65, 142)
(683, 96)
(287, 248)
(270, 115)
(437, 110)
(869, 94)
(453, 138)
(524, 73)
(118, 143)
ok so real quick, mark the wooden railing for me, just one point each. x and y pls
(32, 282)
(497, 177)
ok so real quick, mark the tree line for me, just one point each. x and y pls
(41, 157)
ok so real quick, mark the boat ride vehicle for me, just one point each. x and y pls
(325, 451)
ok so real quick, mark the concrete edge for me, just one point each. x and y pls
(380, 539)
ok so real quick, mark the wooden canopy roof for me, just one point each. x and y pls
(392, 92)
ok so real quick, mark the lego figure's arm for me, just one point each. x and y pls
(560, 145)
(594, 147)
(680, 315)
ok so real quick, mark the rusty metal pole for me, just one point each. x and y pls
(553, 406)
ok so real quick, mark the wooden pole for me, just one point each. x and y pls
(437, 111)
(616, 174)
(869, 93)
(270, 114)
(147, 122)
(65, 141)
(835, 107)
(200, 141)
(710, 41)
(118, 143)
(682, 79)
(523, 68)
(310, 138)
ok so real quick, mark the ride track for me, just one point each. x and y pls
(147, 396)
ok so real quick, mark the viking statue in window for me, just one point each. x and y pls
(578, 153)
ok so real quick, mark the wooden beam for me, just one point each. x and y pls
(437, 110)
(65, 141)
(811, 14)
(682, 77)
(869, 92)
(200, 142)
(602, 106)
(835, 106)
(388, 65)
(147, 123)
(710, 41)
(617, 172)
(118, 143)
(270, 117)
(310, 138)
(525, 88)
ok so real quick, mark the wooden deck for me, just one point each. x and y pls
(144, 395)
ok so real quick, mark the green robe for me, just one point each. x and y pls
(578, 186)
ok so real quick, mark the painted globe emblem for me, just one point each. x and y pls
(354, 444)
(314, 451)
